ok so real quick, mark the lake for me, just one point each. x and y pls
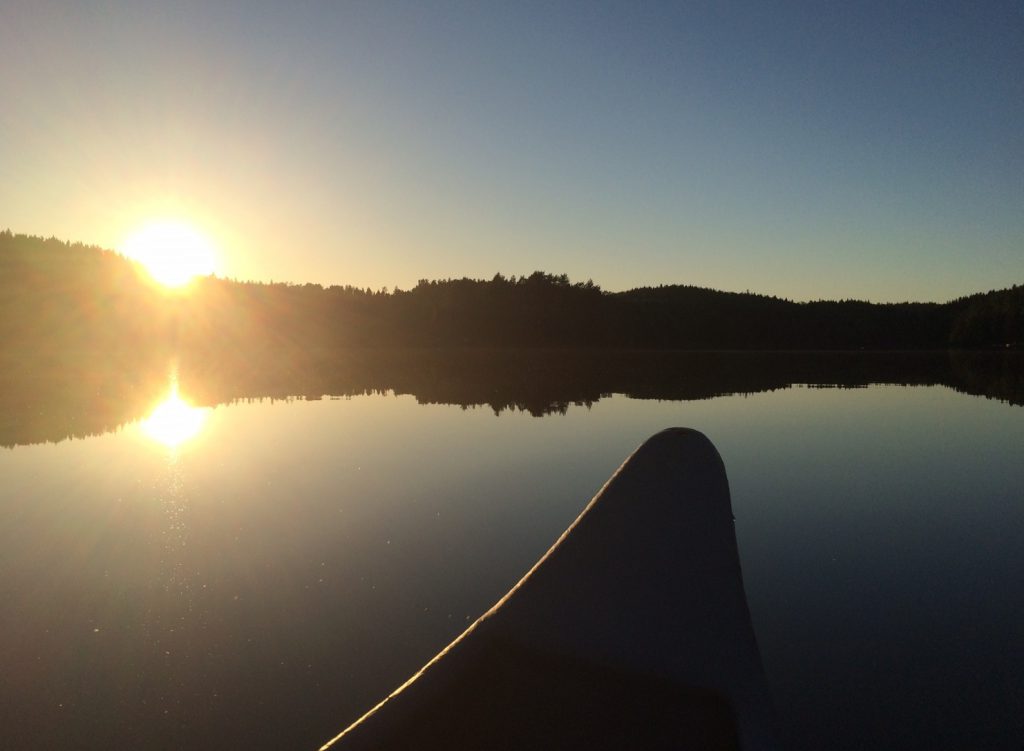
(252, 554)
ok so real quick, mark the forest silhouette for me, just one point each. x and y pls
(89, 341)
(58, 297)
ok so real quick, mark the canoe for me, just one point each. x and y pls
(632, 631)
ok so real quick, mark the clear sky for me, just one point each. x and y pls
(819, 149)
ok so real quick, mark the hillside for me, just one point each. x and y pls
(59, 298)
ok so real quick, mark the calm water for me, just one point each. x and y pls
(256, 574)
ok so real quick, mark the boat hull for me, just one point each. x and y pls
(631, 631)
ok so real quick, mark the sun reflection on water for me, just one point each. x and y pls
(174, 421)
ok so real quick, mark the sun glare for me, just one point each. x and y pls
(174, 253)
(174, 421)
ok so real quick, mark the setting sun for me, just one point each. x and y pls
(173, 252)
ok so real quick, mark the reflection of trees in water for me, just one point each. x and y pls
(546, 381)
(991, 374)
(87, 396)
(87, 341)
(52, 399)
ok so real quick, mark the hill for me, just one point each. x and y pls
(58, 298)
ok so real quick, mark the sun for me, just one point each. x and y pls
(173, 252)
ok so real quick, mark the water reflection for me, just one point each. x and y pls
(266, 590)
(48, 401)
(174, 421)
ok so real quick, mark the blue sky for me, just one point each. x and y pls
(871, 150)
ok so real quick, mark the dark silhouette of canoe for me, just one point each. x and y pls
(631, 632)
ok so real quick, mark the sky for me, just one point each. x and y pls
(870, 150)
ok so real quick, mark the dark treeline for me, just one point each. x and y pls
(87, 341)
(57, 297)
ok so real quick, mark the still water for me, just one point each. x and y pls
(204, 571)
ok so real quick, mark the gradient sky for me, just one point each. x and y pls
(849, 149)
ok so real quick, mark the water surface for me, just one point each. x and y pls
(206, 567)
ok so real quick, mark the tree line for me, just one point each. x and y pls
(57, 296)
